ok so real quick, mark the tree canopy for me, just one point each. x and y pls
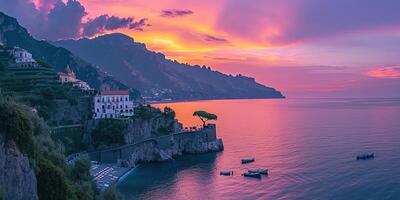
(205, 116)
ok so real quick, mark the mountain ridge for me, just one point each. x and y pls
(155, 75)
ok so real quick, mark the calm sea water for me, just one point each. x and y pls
(309, 146)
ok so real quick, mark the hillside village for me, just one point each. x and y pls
(106, 127)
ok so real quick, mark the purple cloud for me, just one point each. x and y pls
(175, 13)
(106, 23)
(290, 21)
(54, 19)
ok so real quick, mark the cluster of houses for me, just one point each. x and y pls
(68, 76)
(113, 104)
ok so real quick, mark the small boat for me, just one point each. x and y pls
(247, 160)
(365, 156)
(226, 173)
(260, 171)
(252, 175)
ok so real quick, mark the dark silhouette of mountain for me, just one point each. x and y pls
(12, 34)
(156, 76)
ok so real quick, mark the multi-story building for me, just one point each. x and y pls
(23, 58)
(21, 55)
(113, 104)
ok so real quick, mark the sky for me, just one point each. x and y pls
(304, 48)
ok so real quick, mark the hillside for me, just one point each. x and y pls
(157, 77)
(12, 34)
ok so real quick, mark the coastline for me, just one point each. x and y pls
(217, 99)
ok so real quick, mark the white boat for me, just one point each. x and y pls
(247, 160)
(260, 171)
(252, 175)
(226, 173)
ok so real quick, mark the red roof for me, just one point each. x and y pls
(115, 92)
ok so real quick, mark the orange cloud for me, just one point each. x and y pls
(385, 72)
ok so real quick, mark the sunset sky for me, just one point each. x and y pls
(320, 48)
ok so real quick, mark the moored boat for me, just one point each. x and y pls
(247, 160)
(260, 171)
(226, 173)
(366, 156)
(252, 175)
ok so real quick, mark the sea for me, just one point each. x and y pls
(308, 145)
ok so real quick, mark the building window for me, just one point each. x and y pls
(98, 110)
(120, 106)
(103, 107)
(98, 100)
(108, 107)
(126, 98)
(126, 106)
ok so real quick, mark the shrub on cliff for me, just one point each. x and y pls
(52, 182)
(80, 171)
(15, 124)
(146, 112)
(109, 132)
(169, 113)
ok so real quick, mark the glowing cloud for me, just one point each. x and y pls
(391, 72)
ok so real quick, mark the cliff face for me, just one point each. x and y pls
(162, 148)
(17, 178)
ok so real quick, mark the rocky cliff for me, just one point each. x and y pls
(141, 129)
(17, 178)
(162, 148)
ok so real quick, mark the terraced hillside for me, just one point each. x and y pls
(24, 80)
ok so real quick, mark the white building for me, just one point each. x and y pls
(82, 85)
(113, 104)
(68, 76)
(22, 56)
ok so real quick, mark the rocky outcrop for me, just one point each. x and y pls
(140, 129)
(197, 145)
(17, 178)
(162, 148)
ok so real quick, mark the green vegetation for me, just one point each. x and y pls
(16, 125)
(43, 64)
(55, 180)
(146, 112)
(169, 113)
(205, 116)
(111, 194)
(109, 132)
(52, 177)
(71, 138)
